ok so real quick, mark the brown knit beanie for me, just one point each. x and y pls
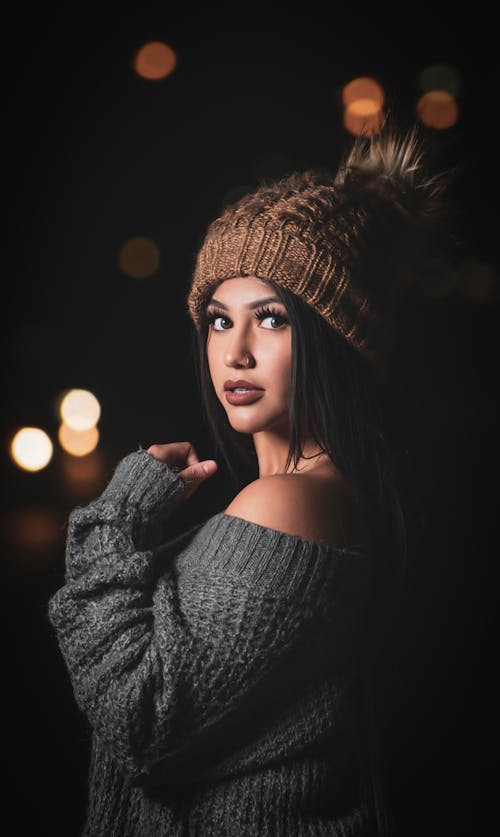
(347, 244)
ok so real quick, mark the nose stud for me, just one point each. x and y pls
(246, 361)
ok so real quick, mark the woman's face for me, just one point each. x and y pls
(249, 339)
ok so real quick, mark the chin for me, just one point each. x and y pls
(242, 423)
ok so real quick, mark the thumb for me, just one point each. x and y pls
(209, 467)
(199, 472)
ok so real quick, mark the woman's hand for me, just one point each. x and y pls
(183, 455)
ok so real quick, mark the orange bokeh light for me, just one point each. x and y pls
(363, 88)
(364, 107)
(364, 123)
(78, 442)
(154, 61)
(33, 528)
(83, 477)
(478, 282)
(437, 109)
(139, 257)
(440, 77)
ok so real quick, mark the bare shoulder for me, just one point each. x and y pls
(310, 506)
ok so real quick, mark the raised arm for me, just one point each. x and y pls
(172, 655)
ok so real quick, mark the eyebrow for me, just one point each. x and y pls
(251, 305)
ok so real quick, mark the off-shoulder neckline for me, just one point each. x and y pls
(361, 551)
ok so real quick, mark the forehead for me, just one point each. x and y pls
(241, 288)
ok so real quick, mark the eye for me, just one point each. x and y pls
(215, 314)
(265, 313)
(268, 313)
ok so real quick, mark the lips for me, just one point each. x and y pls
(241, 398)
(241, 383)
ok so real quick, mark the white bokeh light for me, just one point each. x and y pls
(80, 409)
(31, 449)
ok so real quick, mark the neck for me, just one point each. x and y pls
(272, 451)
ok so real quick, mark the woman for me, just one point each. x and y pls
(226, 672)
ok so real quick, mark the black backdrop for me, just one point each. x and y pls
(94, 155)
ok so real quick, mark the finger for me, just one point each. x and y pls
(185, 456)
(193, 475)
(180, 453)
(201, 471)
(156, 450)
(192, 457)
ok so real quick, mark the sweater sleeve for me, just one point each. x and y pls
(171, 660)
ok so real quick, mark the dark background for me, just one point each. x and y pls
(95, 155)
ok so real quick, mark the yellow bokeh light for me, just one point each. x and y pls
(364, 124)
(437, 109)
(139, 257)
(31, 449)
(80, 409)
(363, 88)
(78, 442)
(154, 61)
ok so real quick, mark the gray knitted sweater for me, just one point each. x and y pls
(218, 669)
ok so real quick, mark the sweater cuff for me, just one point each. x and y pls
(141, 481)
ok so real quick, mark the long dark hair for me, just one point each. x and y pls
(337, 400)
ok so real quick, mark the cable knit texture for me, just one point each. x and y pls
(218, 670)
(348, 243)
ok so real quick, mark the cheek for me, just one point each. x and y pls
(279, 363)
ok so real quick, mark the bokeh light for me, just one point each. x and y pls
(154, 61)
(362, 123)
(31, 449)
(32, 529)
(83, 477)
(80, 409)
(477, 281)
(364, 89)
(139, 257)
(439, 279)
(437, 109)
(440, 77)
(77, 442)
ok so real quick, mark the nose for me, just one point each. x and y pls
(243, 360)
(239, 354)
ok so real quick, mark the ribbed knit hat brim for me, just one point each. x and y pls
(345, 244)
